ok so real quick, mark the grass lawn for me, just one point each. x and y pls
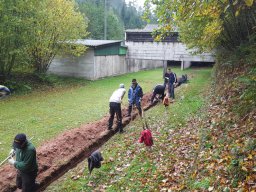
(128, 165)
(44, 114)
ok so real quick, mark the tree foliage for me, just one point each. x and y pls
(206, 24)
(94, 11)
(120, 16)
(57, 22)
(115, 26)
(32, 31)
(15, 21)
(131, 16)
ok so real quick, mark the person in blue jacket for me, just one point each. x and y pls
(135, 95)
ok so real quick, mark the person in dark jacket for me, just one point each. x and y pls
(172, 80)
(94, 161)
(182, 79)
(25, 163)
(158, 90)
(135, 95)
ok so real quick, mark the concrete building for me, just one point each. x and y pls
(140, 52)
(102, 58)
(143, 49)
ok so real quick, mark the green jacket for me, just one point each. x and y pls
(26, 159)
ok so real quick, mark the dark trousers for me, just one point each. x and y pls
(138, 107)
(115, 108)
(26, 181)
(171, 90)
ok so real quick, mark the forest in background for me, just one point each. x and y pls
(33, 33)
(120, 16)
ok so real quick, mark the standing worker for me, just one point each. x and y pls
(115, 107)
(135, 95)
(172, 81)
(25, 163)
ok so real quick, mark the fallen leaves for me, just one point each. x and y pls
(214, 151)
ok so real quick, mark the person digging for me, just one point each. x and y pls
(25, 163)
(94, 161)
(135, 95)
(115, 108)
(159, 91)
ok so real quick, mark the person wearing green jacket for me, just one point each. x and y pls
(25, 163)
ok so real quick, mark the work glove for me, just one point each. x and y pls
(11, 161)
(12, 152)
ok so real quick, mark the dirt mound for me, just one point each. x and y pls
(64, 152)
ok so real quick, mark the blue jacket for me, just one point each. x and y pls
(135, 95)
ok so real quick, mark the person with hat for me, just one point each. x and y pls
(115, 107)
(135, 95)
(25, 163)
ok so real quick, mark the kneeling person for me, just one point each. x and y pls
(158, 90)
(115, 107)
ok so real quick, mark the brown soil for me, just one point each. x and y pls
(65, 151)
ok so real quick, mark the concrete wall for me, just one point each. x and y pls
(185, 64)
(164, 51)
(110, 65)
(134, 65)
(94, 67)
(82, 66)
(117, 65)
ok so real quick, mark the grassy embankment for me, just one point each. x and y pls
(129, 166)
(227, 156)
(62, 103)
